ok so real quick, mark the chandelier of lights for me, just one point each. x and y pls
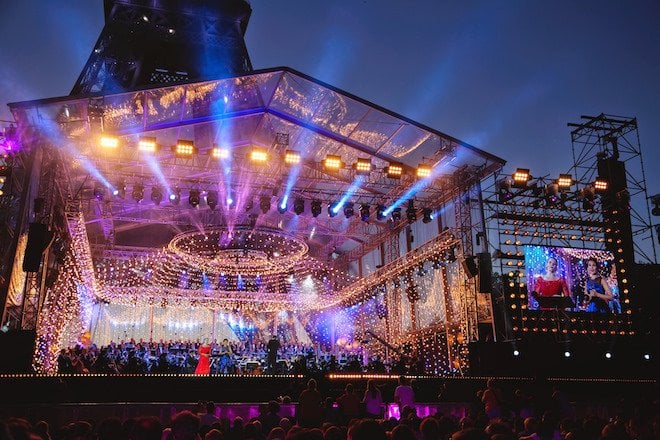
(239, 251)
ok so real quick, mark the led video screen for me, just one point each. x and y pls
(586, 276)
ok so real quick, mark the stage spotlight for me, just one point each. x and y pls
(600, 185)
(109, 141)
(281, 206)
(156, 194)
(99, 192)
(427, 215)
(184, 148)
(608, 355)
(333, 209)
(521, 177)
(567, 354)
(363, 166)
(516, 353)
(292, 157)
(504, 193)
(175, 196)
(396, 214)
(316, 208)
(258, 156)
(364, 212)
(299, 206)
(212, 199)
(551, 194)
(423, 171)
(219, 153)
(349, 209)
(332, 163)
(264, 204)
(656, 208)
(120, 190)
(394, 170)
(380, 212)
(138, 192)
(411, 212)
(565, 181)
(647, 357)
(194, 198)
(147, 145)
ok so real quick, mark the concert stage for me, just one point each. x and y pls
(156, 212)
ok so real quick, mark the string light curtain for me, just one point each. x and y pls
(67, 310)
(17, 280)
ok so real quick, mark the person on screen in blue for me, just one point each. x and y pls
(596, 289)
(615, 305)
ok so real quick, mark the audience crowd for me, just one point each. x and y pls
(493, 415)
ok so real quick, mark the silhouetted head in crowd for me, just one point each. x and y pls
(110, 429)
(214, 434)
(185, 426)
(285, 424)
(147, 428)
(311, 384)
(430, 429)
(469, 434)
(403, 432)
(276, 433)
(366, 430)
(333, 433)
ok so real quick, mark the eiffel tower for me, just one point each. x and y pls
(147, 43)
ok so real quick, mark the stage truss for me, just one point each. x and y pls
(542, 214)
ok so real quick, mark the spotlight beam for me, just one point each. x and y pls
(410, 192)
(357, 183)
(153, 164)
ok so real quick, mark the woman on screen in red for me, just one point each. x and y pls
(596, 289)
(550, 283)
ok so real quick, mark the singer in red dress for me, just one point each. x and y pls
(204, 366)
(550, 283)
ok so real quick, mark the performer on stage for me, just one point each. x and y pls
(550, 283)
(226, 360)
(203, 365)
(596, 289)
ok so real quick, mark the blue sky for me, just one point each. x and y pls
(505, 76)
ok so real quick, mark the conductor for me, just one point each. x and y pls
(273, 346)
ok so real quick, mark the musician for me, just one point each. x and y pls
(596, 289)
(226, 357)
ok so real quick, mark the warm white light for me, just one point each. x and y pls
(423, 171)
(291, 157)
(259, 155)
(220, 153)
(332, 162)
(109, 142)
(147, 145)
